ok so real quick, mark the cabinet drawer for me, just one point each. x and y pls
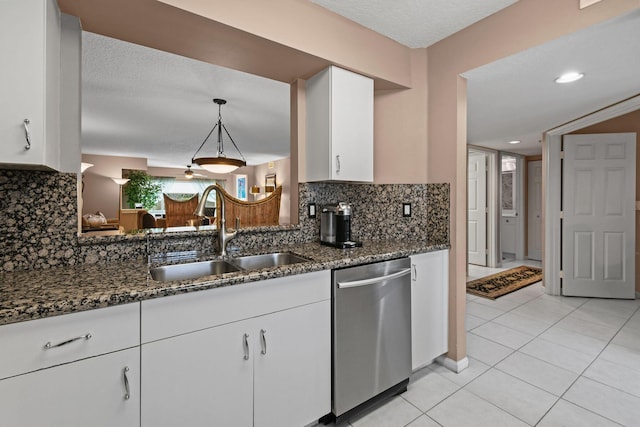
(175, 315)
(37, 344)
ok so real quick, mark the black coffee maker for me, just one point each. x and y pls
(335, 226)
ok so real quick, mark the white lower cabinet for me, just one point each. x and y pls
(72, 370)
(198, 379)
(292, 366)
(90, 392)
(265, 369)
(429, 306)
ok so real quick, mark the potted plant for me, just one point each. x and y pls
(141, 191)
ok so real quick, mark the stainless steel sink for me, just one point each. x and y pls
(191, 270)
(257, 262)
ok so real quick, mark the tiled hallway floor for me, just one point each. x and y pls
(534, 360)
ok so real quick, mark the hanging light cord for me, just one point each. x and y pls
(220, 126)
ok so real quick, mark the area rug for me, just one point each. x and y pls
(505, 282)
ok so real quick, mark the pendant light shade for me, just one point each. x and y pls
(220, 163)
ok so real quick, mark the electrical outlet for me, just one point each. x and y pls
(406, 209)
(312, 210)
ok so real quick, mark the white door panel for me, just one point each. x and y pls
(477, 202)
(534, 211)
(599, 215)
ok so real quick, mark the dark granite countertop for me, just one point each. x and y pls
(28, 295)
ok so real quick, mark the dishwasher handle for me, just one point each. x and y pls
(373, 280)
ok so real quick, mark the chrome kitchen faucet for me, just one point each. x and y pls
(223, 235)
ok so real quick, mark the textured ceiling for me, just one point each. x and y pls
(517, 98)
(142, 102)
(415, 23)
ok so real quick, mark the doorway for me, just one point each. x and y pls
(482, 208)
(511, 207)
(552, 260)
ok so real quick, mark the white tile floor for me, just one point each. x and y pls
(534, 360)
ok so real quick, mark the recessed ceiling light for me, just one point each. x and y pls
(569, 77)
(515, 142)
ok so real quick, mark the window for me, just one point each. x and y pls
(179, 189)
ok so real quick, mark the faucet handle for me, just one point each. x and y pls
(237, 223)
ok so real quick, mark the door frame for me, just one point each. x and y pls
(481, 215)
(493, 212)
(551, 187)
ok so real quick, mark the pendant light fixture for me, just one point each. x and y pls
(188, 174)
(221, 163)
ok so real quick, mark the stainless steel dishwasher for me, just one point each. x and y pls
(371, 335)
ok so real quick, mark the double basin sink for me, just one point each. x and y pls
(195, 270)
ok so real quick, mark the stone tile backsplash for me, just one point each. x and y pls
(38, 221)
(377, 210)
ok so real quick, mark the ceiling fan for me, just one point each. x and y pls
(189, 174)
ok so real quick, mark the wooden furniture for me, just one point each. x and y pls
(252, 214)
(178, 213)
(131, 219)
(147, 221)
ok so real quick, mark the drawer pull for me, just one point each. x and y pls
(246, 346)
(27, 136)
(263, 340)
(48, 345)
(127, 391)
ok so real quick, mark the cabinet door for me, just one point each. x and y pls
(199, 379)
(429, 307)
(89, 392)
(339, 126)
(293, 366)
(351, 126)
(27, 67)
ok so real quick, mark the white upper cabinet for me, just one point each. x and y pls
(339, 112)
(30, 87)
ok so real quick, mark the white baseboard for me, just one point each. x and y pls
(456, 366)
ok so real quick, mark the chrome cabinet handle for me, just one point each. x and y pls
(127, 391)
(48, 345)
(263, 340)
(415, 272)
(338, 163)
(246, 346)
(27, 136)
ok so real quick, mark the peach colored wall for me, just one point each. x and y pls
(282, 170)
(629, 122)
(315, 30)
(100, 192)
(400, 128)
(297, 167)
(525, 24)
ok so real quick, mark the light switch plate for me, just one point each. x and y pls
(312, 210)
(406, 209)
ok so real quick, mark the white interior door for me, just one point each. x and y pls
(599, 215)
(477, 205)
(534, 211)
